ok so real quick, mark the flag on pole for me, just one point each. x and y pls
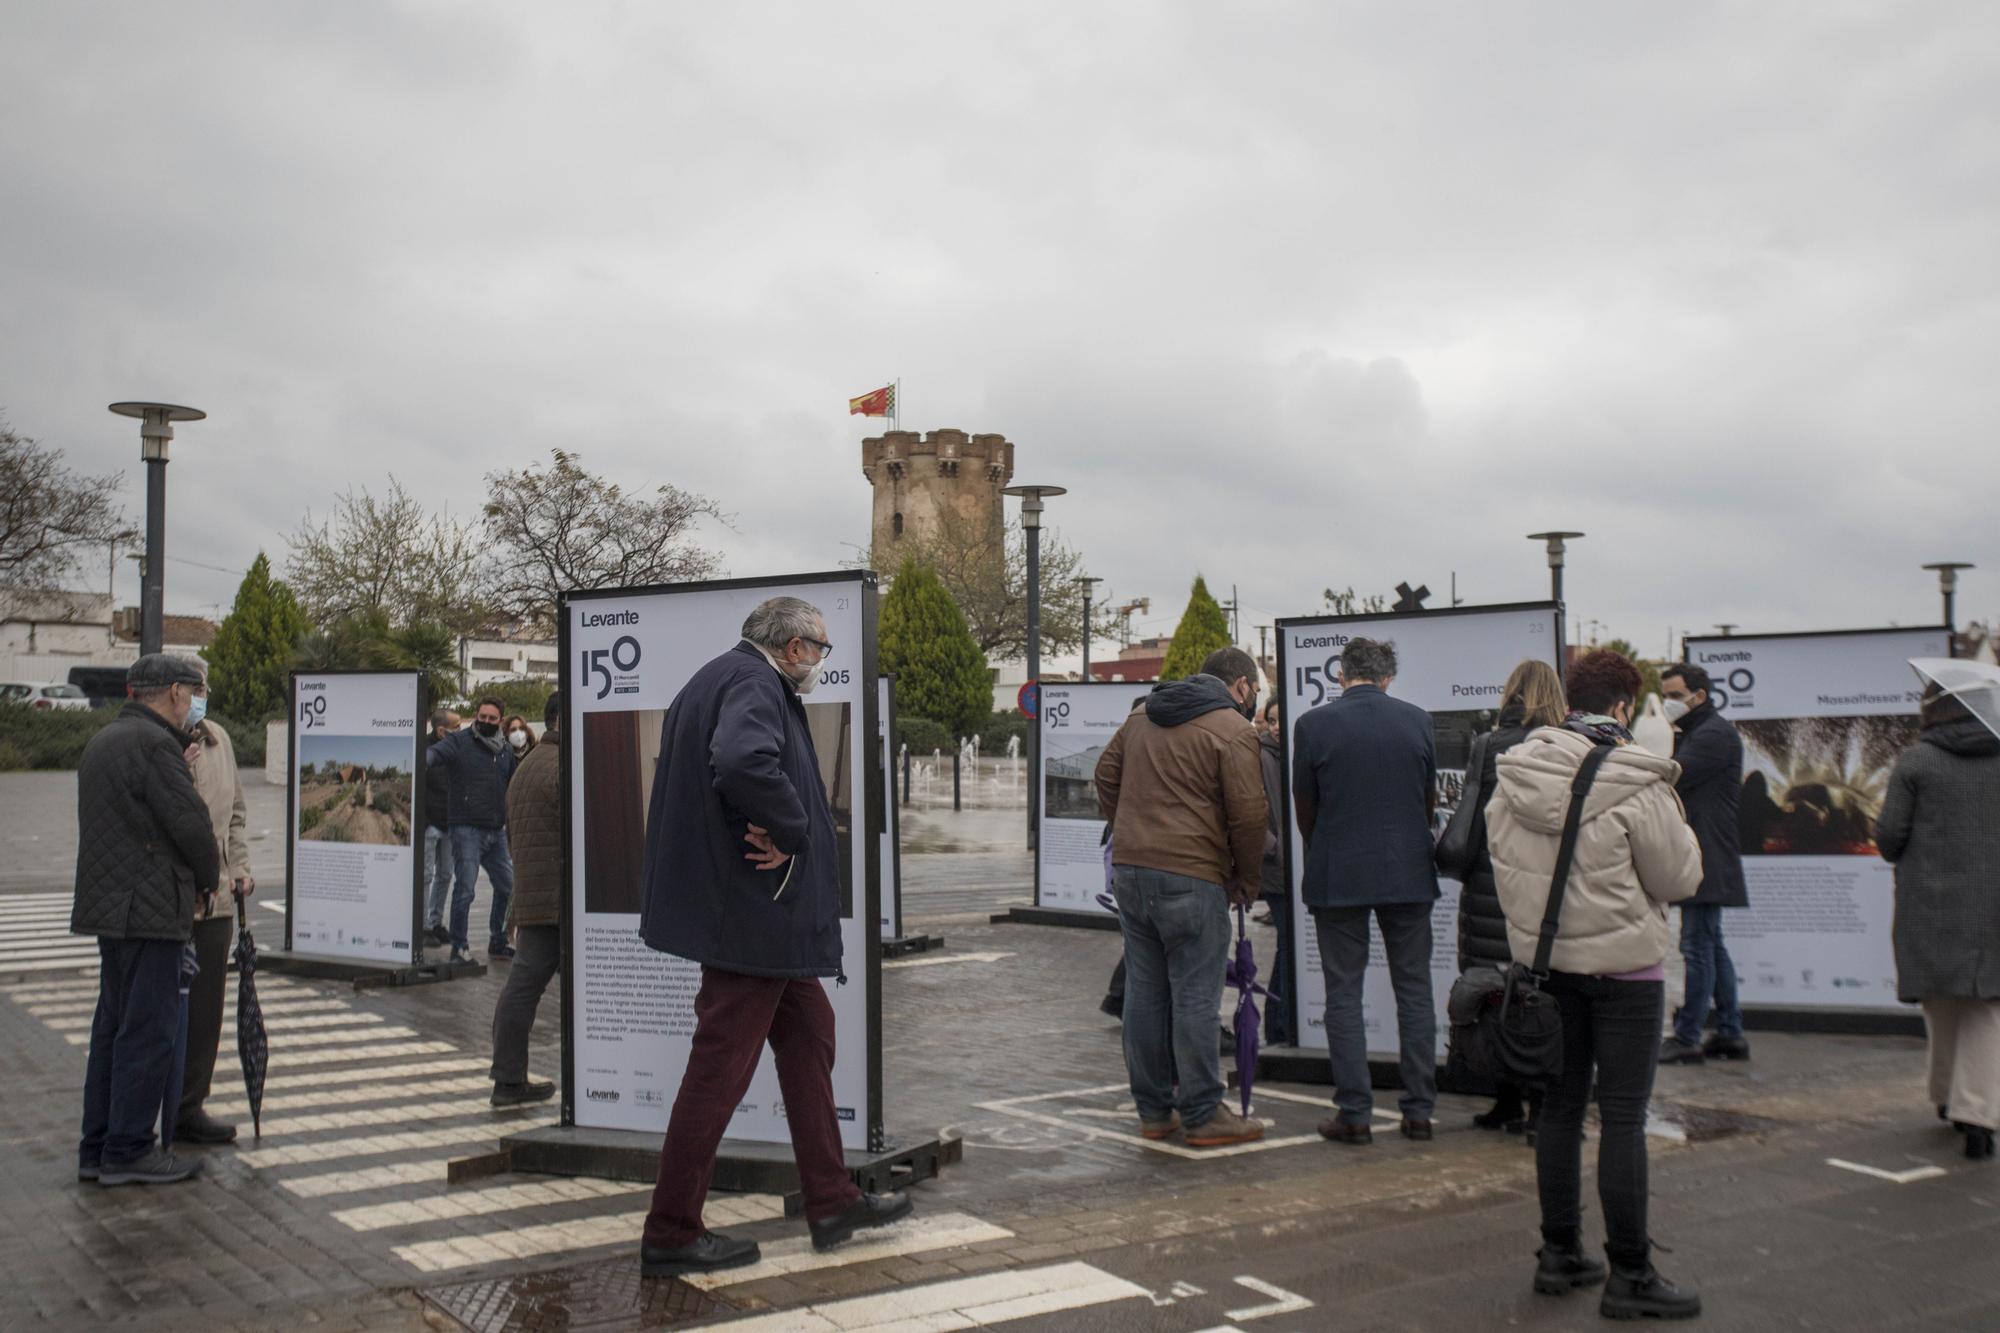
(880, 403)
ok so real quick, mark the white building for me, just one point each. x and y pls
(485, 661)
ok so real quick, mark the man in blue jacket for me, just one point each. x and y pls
(1364, 784)
(1710, 754)
(477, 764)
(743, 877)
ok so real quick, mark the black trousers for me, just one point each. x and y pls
(1611, 1028)
(205, 999)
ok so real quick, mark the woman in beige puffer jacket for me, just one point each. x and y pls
(1634, 855)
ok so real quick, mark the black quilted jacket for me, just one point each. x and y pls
(144, 840)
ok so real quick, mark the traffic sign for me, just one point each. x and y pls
(1027, 699)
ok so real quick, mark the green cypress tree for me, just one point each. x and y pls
(1202, 630)
(924, 643)
(252, 652)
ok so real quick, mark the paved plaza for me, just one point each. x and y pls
(1809, 1188)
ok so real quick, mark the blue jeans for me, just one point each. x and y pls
(1711, 977)
(472, 848)
(131, 1048)
(1343, 955)
(437, 874)
(1176, 946)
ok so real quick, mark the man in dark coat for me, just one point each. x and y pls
(738, 770)
(534, 827)
(1710, 754)
(1364, 785)
(478, 765)
(1272, 888)
(145, 850)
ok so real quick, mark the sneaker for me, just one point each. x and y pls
(157, 1167)
(870, 1210)
(521, 1094)
(1674, 1051)
(1641, 1293)
(1725, 1048)
(1158, 1129)
(1224, 1128)
(198, 1126)
(438, 935)
(461, 956)
(710, 1251)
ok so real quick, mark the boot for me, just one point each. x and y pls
(1637, 1291)
(1978, 1143)
(1223, 1128)
(1564, 1266)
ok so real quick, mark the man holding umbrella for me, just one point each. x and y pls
(145, 852)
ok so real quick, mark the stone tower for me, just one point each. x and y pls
(923, 482)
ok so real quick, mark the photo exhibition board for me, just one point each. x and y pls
(352, 860)
(1453, 665)
(629, 1011)
(1077, 721)
(1822, 718)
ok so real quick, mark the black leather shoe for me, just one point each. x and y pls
(1674, 1051)
(520, 1094)
(439, 935)
(870, 1210)
(1978, 1143)
(711, 1251)
(1343, 1131)
(1641, 1293)
(1420, 1130)
(1564, 1268)
(1726, 1048)
(199, 1126)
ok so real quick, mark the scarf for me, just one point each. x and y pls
(493, 742)
(1602, 730)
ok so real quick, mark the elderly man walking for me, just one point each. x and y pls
(145, 852)
(1181, 789)
(1364, 784)
(743, 877)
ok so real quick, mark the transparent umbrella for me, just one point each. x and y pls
(1974, 684)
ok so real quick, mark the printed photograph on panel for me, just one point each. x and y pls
(1070, 789)
(355, 789)
(1455, 732)
(1812, 786)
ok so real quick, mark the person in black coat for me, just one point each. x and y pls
(477, 766)
(1710, 754)
(1272, 888)
(1531, 698)
(145, 850)
(742, 876)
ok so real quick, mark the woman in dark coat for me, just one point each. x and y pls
(1940, 828)
(1532, 697)
(1275, 892)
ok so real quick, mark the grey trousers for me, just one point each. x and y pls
(1343, 953)
(538, 955)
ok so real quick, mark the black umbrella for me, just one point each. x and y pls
(170, 1104)
(253, 1048)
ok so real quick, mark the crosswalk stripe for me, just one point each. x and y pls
(51, 965)
(335, 1077)
(942, 1231)
(276, 1016)
(306, 1003)
(398, 1115)
(374, 1145)
(80, 951)
(981, 1301)
(352, 1096)
(28, 992)
(499, 1199)
(368, 1178)
(282, 1040)
(437, 1256)
(335, 1055)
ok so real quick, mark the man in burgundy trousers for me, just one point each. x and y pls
(743, 877)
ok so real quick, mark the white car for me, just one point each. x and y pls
(36, 695)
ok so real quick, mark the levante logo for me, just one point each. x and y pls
(621, 657)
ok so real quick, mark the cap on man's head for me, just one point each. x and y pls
(156, 671)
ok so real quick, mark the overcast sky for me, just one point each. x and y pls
(1295, 295)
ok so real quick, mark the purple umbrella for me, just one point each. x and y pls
(1242, 974)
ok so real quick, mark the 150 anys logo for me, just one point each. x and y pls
(598, 662)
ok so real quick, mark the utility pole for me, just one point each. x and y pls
(1262, 630)
(156, 431)
(1947, 572)
(1087, 582)
(1554, 541)
(1031, 521)
(1230, 607)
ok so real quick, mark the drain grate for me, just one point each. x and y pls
(605, 1295)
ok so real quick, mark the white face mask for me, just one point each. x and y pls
(518, 739)
(1675, 709)
(811, 679)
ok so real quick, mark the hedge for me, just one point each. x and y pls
(53, 738)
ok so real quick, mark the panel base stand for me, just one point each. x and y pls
(907, 944)
(1846, 1022)
(762, 1168)
(365, 974)
(1051, 916)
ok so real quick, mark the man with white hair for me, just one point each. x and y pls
(743, 877)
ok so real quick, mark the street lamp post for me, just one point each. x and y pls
(1031, 523)
(1947, 572)
(1554, 541)
(155, 433)
(1088, 582)
(1725, 628)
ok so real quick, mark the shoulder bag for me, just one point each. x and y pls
(1458, 847)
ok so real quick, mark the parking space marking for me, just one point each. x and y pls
(1909, 1177)
(1018, 1108)
(983, 1301)
(1282, 1301)
(937, 960)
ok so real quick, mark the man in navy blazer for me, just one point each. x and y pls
(1364, 784)
(743, 877)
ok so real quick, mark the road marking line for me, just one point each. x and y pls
(948, 958)
(400, 1115)
(283, 1040)
(279, 1018)
(436, 1256)
(52, 1015)
(348, 1054)
(967, 1302)
(1909, 1177)
(942, 1231)
(335, 1077)
(374, 1145)
(1132, 1137)
(51, 965)
(1282, 1301)
(354, 1096)
(368, 1178)
(478, 1203)
(87, 950)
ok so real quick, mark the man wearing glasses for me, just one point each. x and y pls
(743, 877)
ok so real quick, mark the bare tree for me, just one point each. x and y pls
(559, 527)
(387, 555)
(1345, 603)
(50, 516)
